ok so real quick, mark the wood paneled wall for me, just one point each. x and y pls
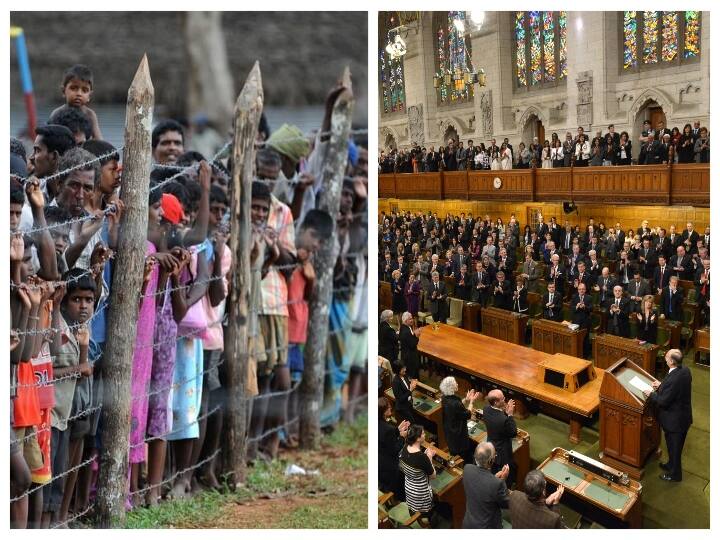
(628, 216)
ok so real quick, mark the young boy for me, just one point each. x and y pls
(77, 88)
(70, 351)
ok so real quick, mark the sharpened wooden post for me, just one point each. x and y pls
(333, 173)
(124, 301)
(248, 109)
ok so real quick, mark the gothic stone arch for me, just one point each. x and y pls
(388, 138)
(651, 94)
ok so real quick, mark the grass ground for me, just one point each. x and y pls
(335, 497)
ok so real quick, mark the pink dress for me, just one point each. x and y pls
(142, 365)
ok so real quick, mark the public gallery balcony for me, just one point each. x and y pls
(664, 185)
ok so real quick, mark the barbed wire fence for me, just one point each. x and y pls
(344, 326)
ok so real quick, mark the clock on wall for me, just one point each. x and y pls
(497, 183)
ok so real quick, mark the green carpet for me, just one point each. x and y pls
(666, 505)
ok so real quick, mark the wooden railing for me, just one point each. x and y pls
(680, 184)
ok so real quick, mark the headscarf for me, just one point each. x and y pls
(289, 141)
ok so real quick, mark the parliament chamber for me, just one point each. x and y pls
(579, 419)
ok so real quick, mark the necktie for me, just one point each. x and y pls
(637, 287)
(670, 301)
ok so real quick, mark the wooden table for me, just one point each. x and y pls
(503, 324)
(702, 342)
(608, 349)
(513, 367)
(609, 503)
(448, 484)
(554, 337)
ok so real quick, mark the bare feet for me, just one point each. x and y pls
(178, 491)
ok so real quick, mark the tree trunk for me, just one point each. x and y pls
(311, 387)
(124, 296)
(211, 84)
(248, 109)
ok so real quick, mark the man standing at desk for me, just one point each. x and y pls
(501, 429)
(438, 299)
(581, 307)
(672, 397)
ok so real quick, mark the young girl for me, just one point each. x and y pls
(547, 160)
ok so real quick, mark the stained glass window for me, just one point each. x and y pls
(452, 57)
(562, 24)
(540, 42)
(657, 37)
(630, 35)
(669, 36)
(692, 33)
(392, 79)
(520, 47)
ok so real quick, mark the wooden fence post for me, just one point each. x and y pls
(124, 296)
(248, 110)
(333, 173)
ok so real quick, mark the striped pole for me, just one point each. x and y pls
(25, 78)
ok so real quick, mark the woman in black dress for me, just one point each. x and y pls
(455, 414)
(397, 286)
(647, 321)
(391, 440)
(418, 469)
(403, 388)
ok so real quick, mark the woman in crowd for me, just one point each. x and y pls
(494, 160)
(608, 153)
(596, 158)
(412, 294)
(398, 292)
(685, 146)
(647, 321)
(547, 160)
(505, 157)
(418, 469)
(391, 441)
(455, 415)
(523, 161)
(556, 154)
(623, 152)
(582, 151)
(402, 390)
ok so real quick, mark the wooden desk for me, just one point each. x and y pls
(674, 328)
(702, 342)
(448, 484)
(471, 316)
(513, 367)
(429, 409)
(385, 296)
(608, 349)
(506, 325)
(554, 337)
(595, 497)
(520, 445)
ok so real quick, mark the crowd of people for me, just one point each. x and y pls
(498, 264)
(576, 271)
(658, 145)
(65, 211)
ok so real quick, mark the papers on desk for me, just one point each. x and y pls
(640, 384)
(573, 326)
(471, 424)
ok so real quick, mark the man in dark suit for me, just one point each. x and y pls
(485, 493)
(438, 299)
(690, 234)
(675, 240)
(702, 289)
(386, 268)
(388, 346)
(541, 228)
(647, 259)
(661, 277)
(502, 292)
(480, 284)
(552, 304)
(409, 337)
(671, 301)
(583, 276)
(532, 508)
(506, 262)
(501, 429)
(662, 245)
(619, 314)
(651, 152)
(672, 399)
(637, 288)
(566, 238)
(605, 285)
(458, 260)
(581, 308)
(681, 264)
(463, 284)
(556, 274)
(435, 265)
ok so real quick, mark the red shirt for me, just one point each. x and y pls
(298, 309)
